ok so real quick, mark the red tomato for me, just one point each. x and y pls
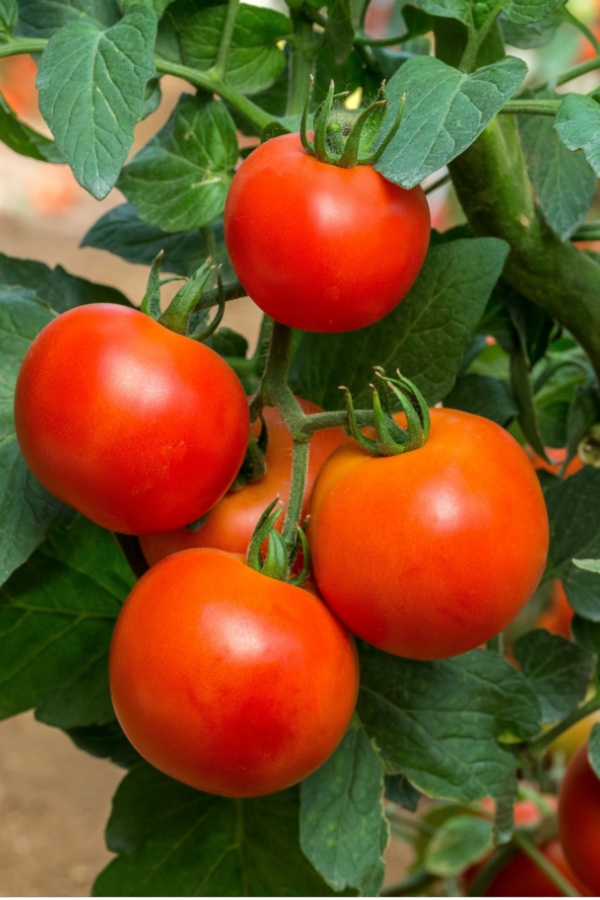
(579, 818)
(230, 524)
(319, 247)
(135, 426)
(558, 615)
(521, 877)
(432, 552)
(228, 680)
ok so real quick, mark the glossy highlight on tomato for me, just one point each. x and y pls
(579, 818)
(319, 247)
(230, 524)
(228, 680)
(137, 427)
(432, 552)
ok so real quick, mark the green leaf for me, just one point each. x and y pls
(254, 61)
(524, 12)
(573, 505)
(594, 749)
(398, 789)
(459, 842)
(176, 841)
(558, 671)
(564, 181)
(484, 396)
(425, 336)
(106, 742)
(446, 110)
(9, 12)
(439, 722)
(56, 619)
(578, 127)
(179, 180)
(26, 509)
(122, 232)
(343, 831)
(449, 9)
(41, 18)
(92, 85)
(589, 565)
(55, 287)
(25, 140)
(339, 31)
(158, 7)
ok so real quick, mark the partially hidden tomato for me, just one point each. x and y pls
(558, 615)
(579, 818)
(319, 247)
(230, 524)
(432, 552)
(520, 876)
(554, 463)
(228, 680)
(135, 426)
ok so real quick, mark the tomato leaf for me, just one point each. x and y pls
(575, 533)
(578, 127)
(122, 232)
(425, 336)
(557, 669)
(436, 721)
(446, 110)
(459, 842)
(484, 396)
(528, 11)
(9, 12)
(173, 840)
(92, 87)
(343, 831)
(26, 509)
(179, 180)
(450, 9)
(564, 181)
(254, 60)
(41, 18)
(25, 140)
(105, 741)
(56, 619)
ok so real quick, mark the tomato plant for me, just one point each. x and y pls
(579, 818)
(325, 266)
(422, 518)
(146, 441)
(283, 162)
(230, 524)
(201, 628)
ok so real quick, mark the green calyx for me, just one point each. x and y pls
(344, 137)
(280, 557)
(390, 438)
(186, 314)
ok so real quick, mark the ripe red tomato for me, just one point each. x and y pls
(228, 680)
(579, 818)
(558, 615)
(319, 247)
(432, 552)
(230, 524)
(135, 426)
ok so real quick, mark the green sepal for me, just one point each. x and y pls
(187, 299)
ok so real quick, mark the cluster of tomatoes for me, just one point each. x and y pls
(229, 680)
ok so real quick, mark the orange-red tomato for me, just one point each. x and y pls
(432, 552)
(138, 428)
(556, 455)
(579, 818)
(230, 524)
(558, 615)
(228, 680)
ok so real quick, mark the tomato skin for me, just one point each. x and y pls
(230, 524)
(430, 553)
(319, 247)
(227, 680)
(123, 419)
(579, 818)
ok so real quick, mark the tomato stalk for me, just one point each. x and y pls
(539, 745)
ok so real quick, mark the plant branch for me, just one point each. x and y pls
(220, 67)
(525, 843)
(17, 46)
(478, 36)
(531, 107)
(540, 744)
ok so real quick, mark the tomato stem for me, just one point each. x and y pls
(539, 745)
(526, 844)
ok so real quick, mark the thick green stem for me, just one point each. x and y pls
(493, 186)
(531, 107)
(301, 64)
(16, 46)
(300, 453)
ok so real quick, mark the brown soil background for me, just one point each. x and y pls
(55, 799)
